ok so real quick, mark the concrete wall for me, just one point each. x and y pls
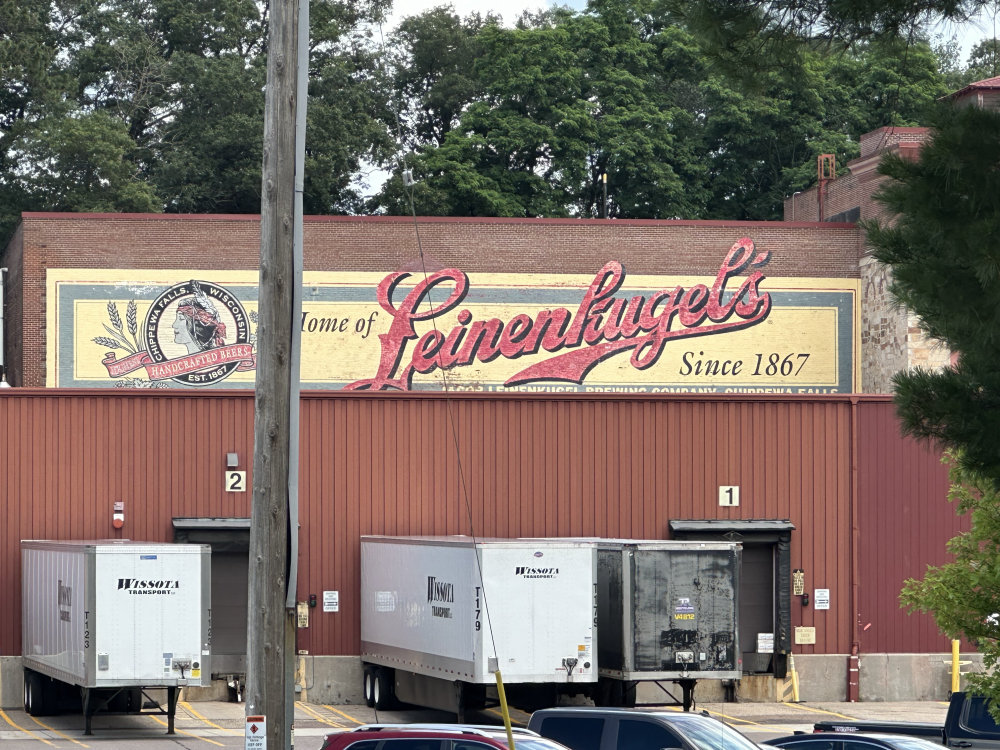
(911, 677)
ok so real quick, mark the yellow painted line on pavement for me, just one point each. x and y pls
(199, 717)
(26, 731)
(499, 713)
(821, 711)
(160, 721)
(338, 711)
(56, 731)
(316, 714)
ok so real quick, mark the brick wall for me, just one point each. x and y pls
(394, 243)
(885, 138)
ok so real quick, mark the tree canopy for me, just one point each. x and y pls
(548, 110)
(157, 105)
(944, 250)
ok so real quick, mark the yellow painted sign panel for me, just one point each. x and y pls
(738, 332)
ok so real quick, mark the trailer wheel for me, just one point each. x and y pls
(628, 694)
(382, 692)
(369, 687)
(35, 703)
(28, 697)
(615, 693)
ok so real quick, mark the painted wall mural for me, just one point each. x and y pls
(739, 332)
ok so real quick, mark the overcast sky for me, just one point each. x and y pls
(968, 35)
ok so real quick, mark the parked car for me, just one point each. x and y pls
(434, 737)
(852, 741)
(968, 724)
(584, 728)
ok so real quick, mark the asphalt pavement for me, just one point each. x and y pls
(204, 725)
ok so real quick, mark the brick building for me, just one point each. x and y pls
(891, 339)
(614, 377)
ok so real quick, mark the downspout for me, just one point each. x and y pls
(3, 366)
(853, 661)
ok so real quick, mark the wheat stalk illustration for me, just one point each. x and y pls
(118, 339)
(133, 324)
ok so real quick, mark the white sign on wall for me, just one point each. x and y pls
(765, 643)
(822, 598)
(331, 601)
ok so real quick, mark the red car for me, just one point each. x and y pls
(434, 737)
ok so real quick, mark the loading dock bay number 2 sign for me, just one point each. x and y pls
(236, 481)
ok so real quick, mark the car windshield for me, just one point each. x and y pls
(537, 743)
(708, 734)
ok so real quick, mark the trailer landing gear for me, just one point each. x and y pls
(97, 699)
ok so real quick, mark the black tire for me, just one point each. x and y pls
(382, 690)
(36, 701)
(369, 687)
(28, 696)
(628, 694)
(601, 693)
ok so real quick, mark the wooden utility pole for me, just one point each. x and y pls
(271, 623)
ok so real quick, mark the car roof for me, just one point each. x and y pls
(590, 711)
(397, 731)
(883, 736)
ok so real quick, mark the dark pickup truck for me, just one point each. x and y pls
(967, 725)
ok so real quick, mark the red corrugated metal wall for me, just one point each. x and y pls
(905, 520)
(529, 465)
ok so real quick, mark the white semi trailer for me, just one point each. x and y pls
(102, 621)
(440, 615)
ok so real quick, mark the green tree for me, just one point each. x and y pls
(79, 163)
(434, 79)
(964, 595)
(182, 81)
(559, 101)
(944, 251)
(942, 247)
(984, 60)
(750, 35)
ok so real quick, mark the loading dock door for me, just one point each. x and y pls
(230, 542)
(756, 603)
(229, 612)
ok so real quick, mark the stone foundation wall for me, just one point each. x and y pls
(883, 329)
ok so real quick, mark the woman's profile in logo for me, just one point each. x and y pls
(209, 322)
(198, 325)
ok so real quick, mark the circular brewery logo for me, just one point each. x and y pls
(196, 333)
